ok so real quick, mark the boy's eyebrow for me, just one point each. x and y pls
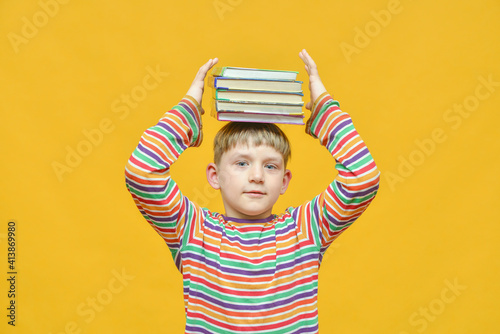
(277, 158)
(244, 155)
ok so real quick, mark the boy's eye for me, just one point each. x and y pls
(271, 167)
(241, 163)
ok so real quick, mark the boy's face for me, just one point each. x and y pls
(250, 178)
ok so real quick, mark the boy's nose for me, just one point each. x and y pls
(256, 174)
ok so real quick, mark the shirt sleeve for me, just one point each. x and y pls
(330, 213)
(147, 175)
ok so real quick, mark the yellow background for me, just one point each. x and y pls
(432, 225)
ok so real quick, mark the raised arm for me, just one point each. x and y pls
(356, 184)
(147, 172)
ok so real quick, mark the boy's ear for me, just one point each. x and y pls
(212, 176)
(286, 181)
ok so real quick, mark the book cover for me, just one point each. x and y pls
(258, 97)
(253, 73)
(255, 84)
(282, 109)
(258, 118)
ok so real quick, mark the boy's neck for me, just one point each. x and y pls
(245, 220)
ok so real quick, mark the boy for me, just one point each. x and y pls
(248, 270)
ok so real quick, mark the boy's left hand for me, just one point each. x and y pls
(197, 87)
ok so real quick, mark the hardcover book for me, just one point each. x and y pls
(258, 117)
(254, 73)
(256, 85)
(279, 109)
(258, 96)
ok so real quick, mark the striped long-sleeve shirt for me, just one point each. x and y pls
(258, 276)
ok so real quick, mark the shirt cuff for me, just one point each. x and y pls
(316, 108)
(193, 100)
(318, 99)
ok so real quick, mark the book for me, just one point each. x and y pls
(256, 85)
(255, 107)
(258, 117)
(258, 96)
(253, 73)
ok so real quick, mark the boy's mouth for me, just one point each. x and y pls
(255, 193)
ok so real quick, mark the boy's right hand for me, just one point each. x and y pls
(316, 87)
(198, 85)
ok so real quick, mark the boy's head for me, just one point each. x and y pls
(258, 133)
(250, 168)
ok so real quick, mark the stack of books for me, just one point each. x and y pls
(256, 95)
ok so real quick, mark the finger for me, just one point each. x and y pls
(202, 73)
(310, 65)
(308, 105)
(306, 57)
(313, 69)
(211, 64)
(208, 65)
(303, 57)
(215, 61)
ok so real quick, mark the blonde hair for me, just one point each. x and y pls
(259, 133)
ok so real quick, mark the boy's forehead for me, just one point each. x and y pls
(244, 148)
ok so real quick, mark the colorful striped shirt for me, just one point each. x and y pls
(250, 276)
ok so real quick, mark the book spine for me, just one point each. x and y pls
(213, 111)
(216, 95)
(212, 81)
(218, 71)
